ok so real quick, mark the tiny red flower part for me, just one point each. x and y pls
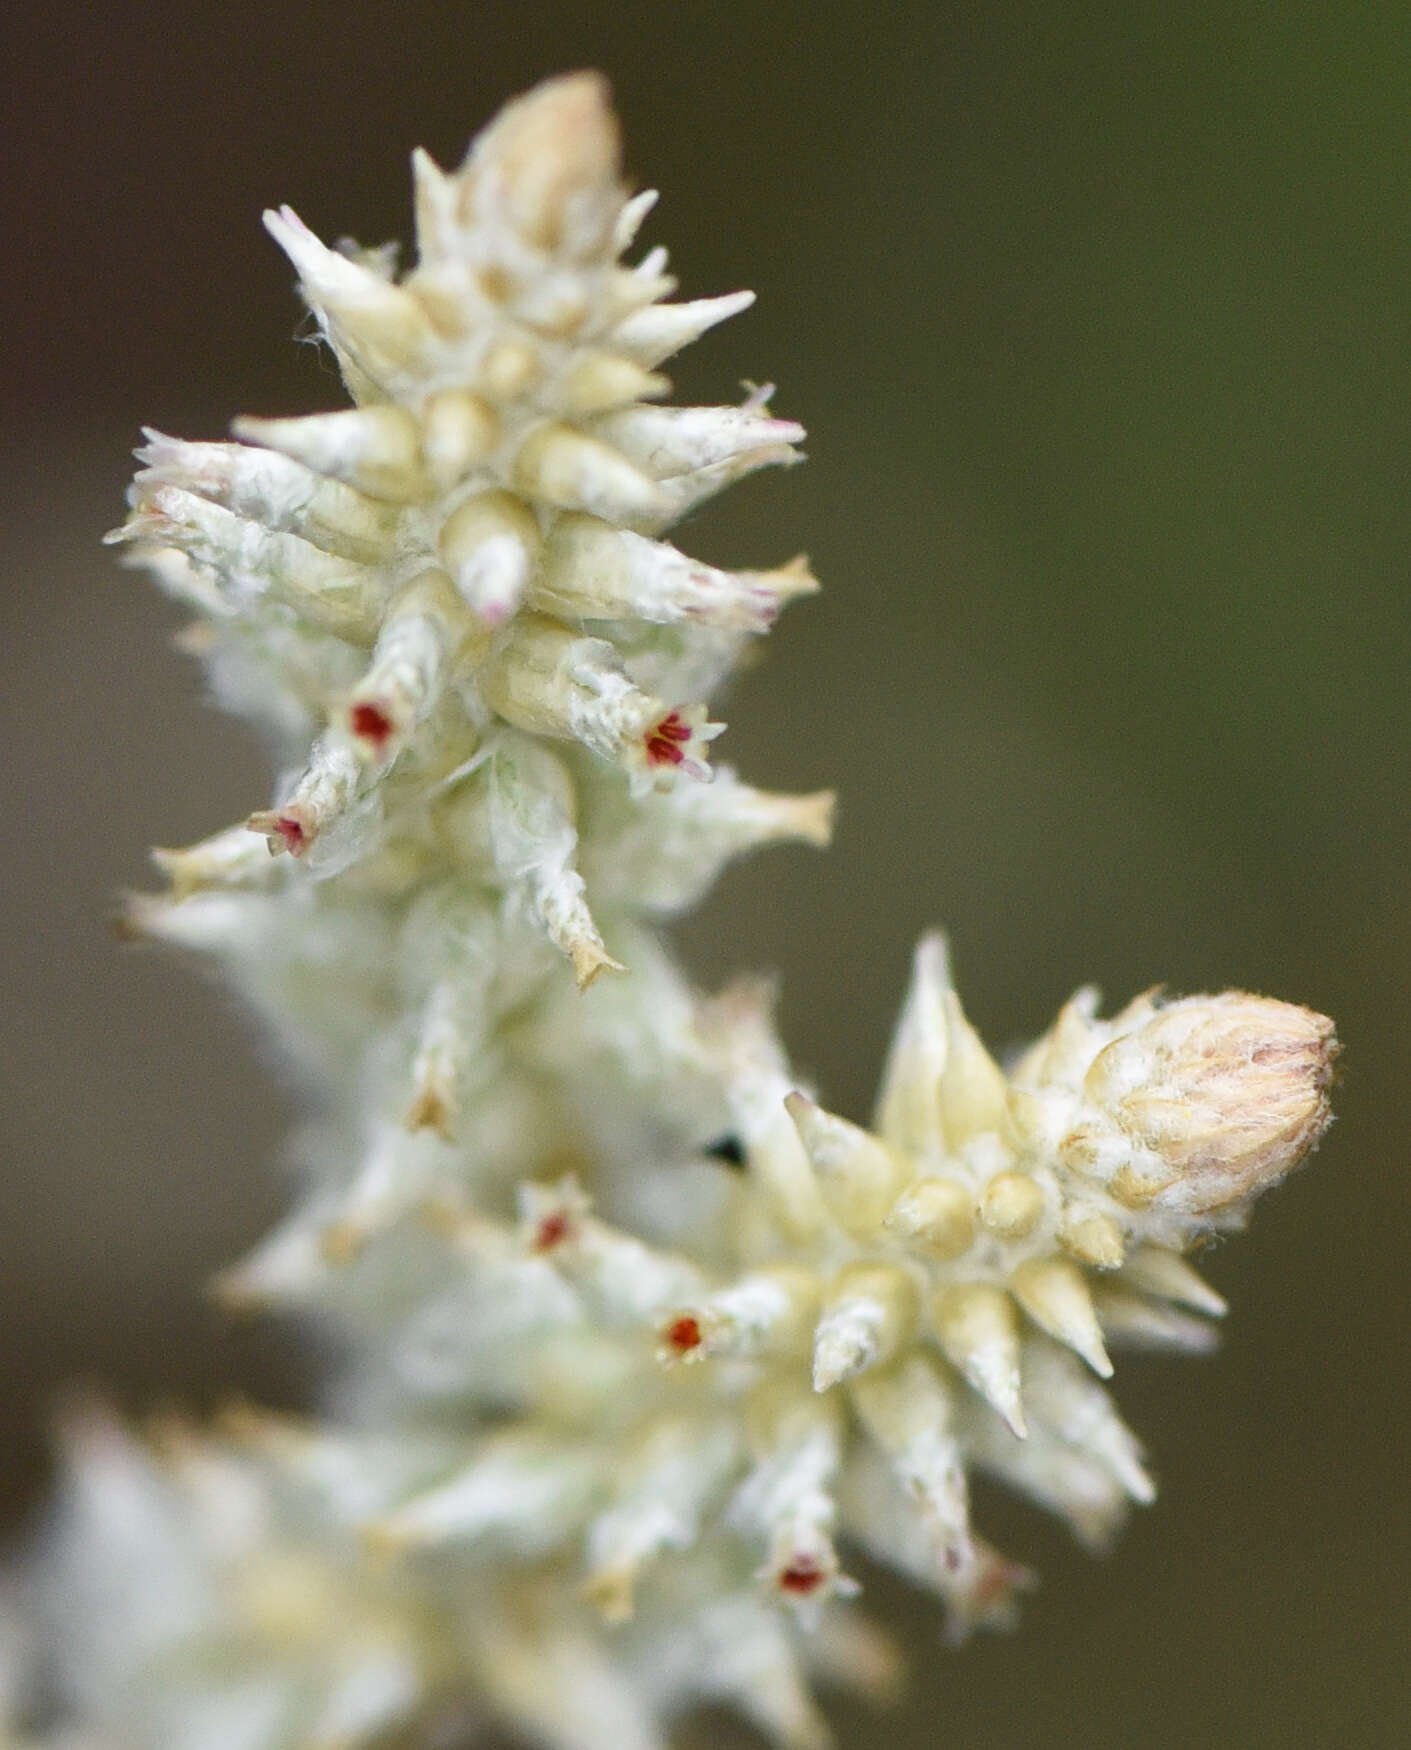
(664, 743)
(291, 829)
(684, 1334)
(370, 723)
(801, 1578)
(551, 1231)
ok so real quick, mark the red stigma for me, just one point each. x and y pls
(684, 1334)
(291, 830)
(663, 744)
(551, 1231)
(370, 723)
(802, 1577)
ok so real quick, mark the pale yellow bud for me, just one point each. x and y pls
(937, 1214)
(601, 380)
(1094, 1239)
(510, 369)
(572, 471)
(458, 431)
(1011, 1205)
(489, 544)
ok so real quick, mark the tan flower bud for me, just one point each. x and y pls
(551, 160)
(1229, 1092)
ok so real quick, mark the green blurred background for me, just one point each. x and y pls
(1099, 319)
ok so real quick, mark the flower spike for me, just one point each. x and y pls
(639, 1342)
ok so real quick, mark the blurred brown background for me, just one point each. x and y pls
(1099, 318)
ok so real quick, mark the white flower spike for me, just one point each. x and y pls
(614, 1415)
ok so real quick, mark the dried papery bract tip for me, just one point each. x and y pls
(811, 817)
(1228, 1092)
(794, 579)
(589, 958)
(228, 859)
(990, 1596)
(433, 1108)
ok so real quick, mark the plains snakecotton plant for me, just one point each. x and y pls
(611, 1412)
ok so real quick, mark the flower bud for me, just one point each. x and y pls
(549, 164)
(1223, 1095)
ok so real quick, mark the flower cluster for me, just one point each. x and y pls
(637, 1339)
(461, 572)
